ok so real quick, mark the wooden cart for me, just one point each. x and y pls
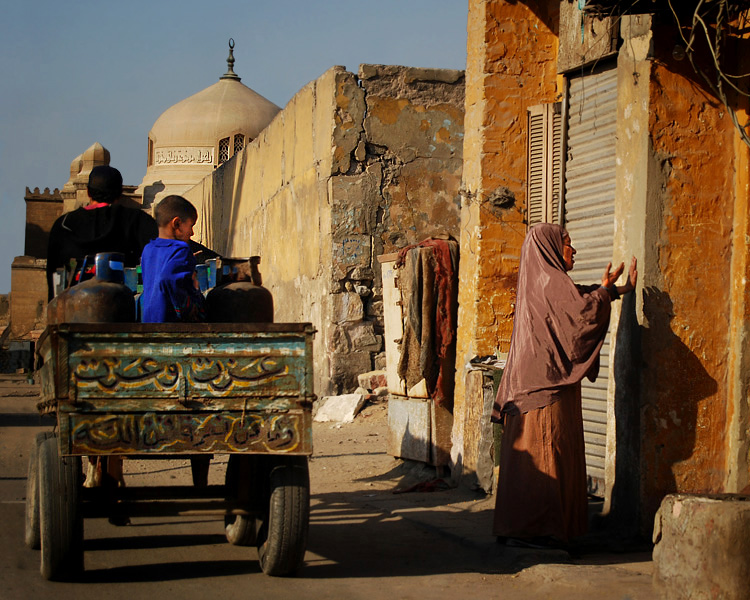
(170, 391)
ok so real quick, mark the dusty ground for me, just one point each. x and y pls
(365, 540)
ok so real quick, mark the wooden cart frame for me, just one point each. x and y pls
(168, 391)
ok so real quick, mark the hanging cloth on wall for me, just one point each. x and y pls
(428, 283)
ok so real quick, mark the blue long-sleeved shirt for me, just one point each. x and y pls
(169, 295)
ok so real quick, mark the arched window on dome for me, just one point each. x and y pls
(239, 143)
(223, 150)
(150, 155)
(229, 146)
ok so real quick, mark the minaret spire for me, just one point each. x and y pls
(230, 74)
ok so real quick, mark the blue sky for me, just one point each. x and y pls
(74, 73)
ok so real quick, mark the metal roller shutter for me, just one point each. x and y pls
(589, 218)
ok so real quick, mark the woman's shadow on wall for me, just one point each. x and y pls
(659, 386)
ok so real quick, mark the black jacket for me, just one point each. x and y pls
(112, 228)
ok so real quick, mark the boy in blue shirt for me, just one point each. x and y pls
(170, 286)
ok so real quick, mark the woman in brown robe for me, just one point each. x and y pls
(558, 331)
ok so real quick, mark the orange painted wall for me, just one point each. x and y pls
(511, 65)
(519, 72)
(686, 308)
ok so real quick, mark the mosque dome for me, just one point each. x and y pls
(196, 135)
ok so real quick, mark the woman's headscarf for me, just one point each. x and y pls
(558, 330)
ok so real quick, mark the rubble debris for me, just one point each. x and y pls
(340, 409)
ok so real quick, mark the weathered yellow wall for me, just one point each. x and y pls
(511, 65)
(352, 167)
(272, 191)
(272, 199)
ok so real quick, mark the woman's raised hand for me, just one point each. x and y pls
(632, 278)
(609, 279)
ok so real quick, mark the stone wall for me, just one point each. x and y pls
(4, 309)
(28, 296)
(42, 210)
(687, 372)
(397, 184)
(353, 167)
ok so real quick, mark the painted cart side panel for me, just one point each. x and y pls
(177, 388)
(167, 432)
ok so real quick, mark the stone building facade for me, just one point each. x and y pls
(676, 386)
(42, 210)
(355, 166)
(28, 298)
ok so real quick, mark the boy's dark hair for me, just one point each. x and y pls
(105, 184)
(174, 206)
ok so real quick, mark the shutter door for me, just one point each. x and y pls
(589, 218)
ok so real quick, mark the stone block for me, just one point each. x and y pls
(28, 297)
(347, 308)
(409, 428)
(702, 547)
(346, 367)
(355, 201)
(349, 252)
(338, 341)
(340, 409)
(375, 309)
(363, 274)
(373, 380)
(350, 110)
(362, 337)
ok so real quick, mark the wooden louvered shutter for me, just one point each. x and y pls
(544, 177)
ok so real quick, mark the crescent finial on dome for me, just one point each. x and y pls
(230, 74)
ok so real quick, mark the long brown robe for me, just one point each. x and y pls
(558, 331)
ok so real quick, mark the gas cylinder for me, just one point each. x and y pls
(241, 301)
(103, 299)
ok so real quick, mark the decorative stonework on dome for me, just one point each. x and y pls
(74, 191)
(196, 135)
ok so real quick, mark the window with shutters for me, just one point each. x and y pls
(544, 177)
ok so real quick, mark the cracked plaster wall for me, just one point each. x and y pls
(354, 166)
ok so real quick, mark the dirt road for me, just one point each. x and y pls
(365, 540)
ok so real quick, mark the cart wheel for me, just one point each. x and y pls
(32, 494)
(282, 531)
(239, 529)
(61, 522)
